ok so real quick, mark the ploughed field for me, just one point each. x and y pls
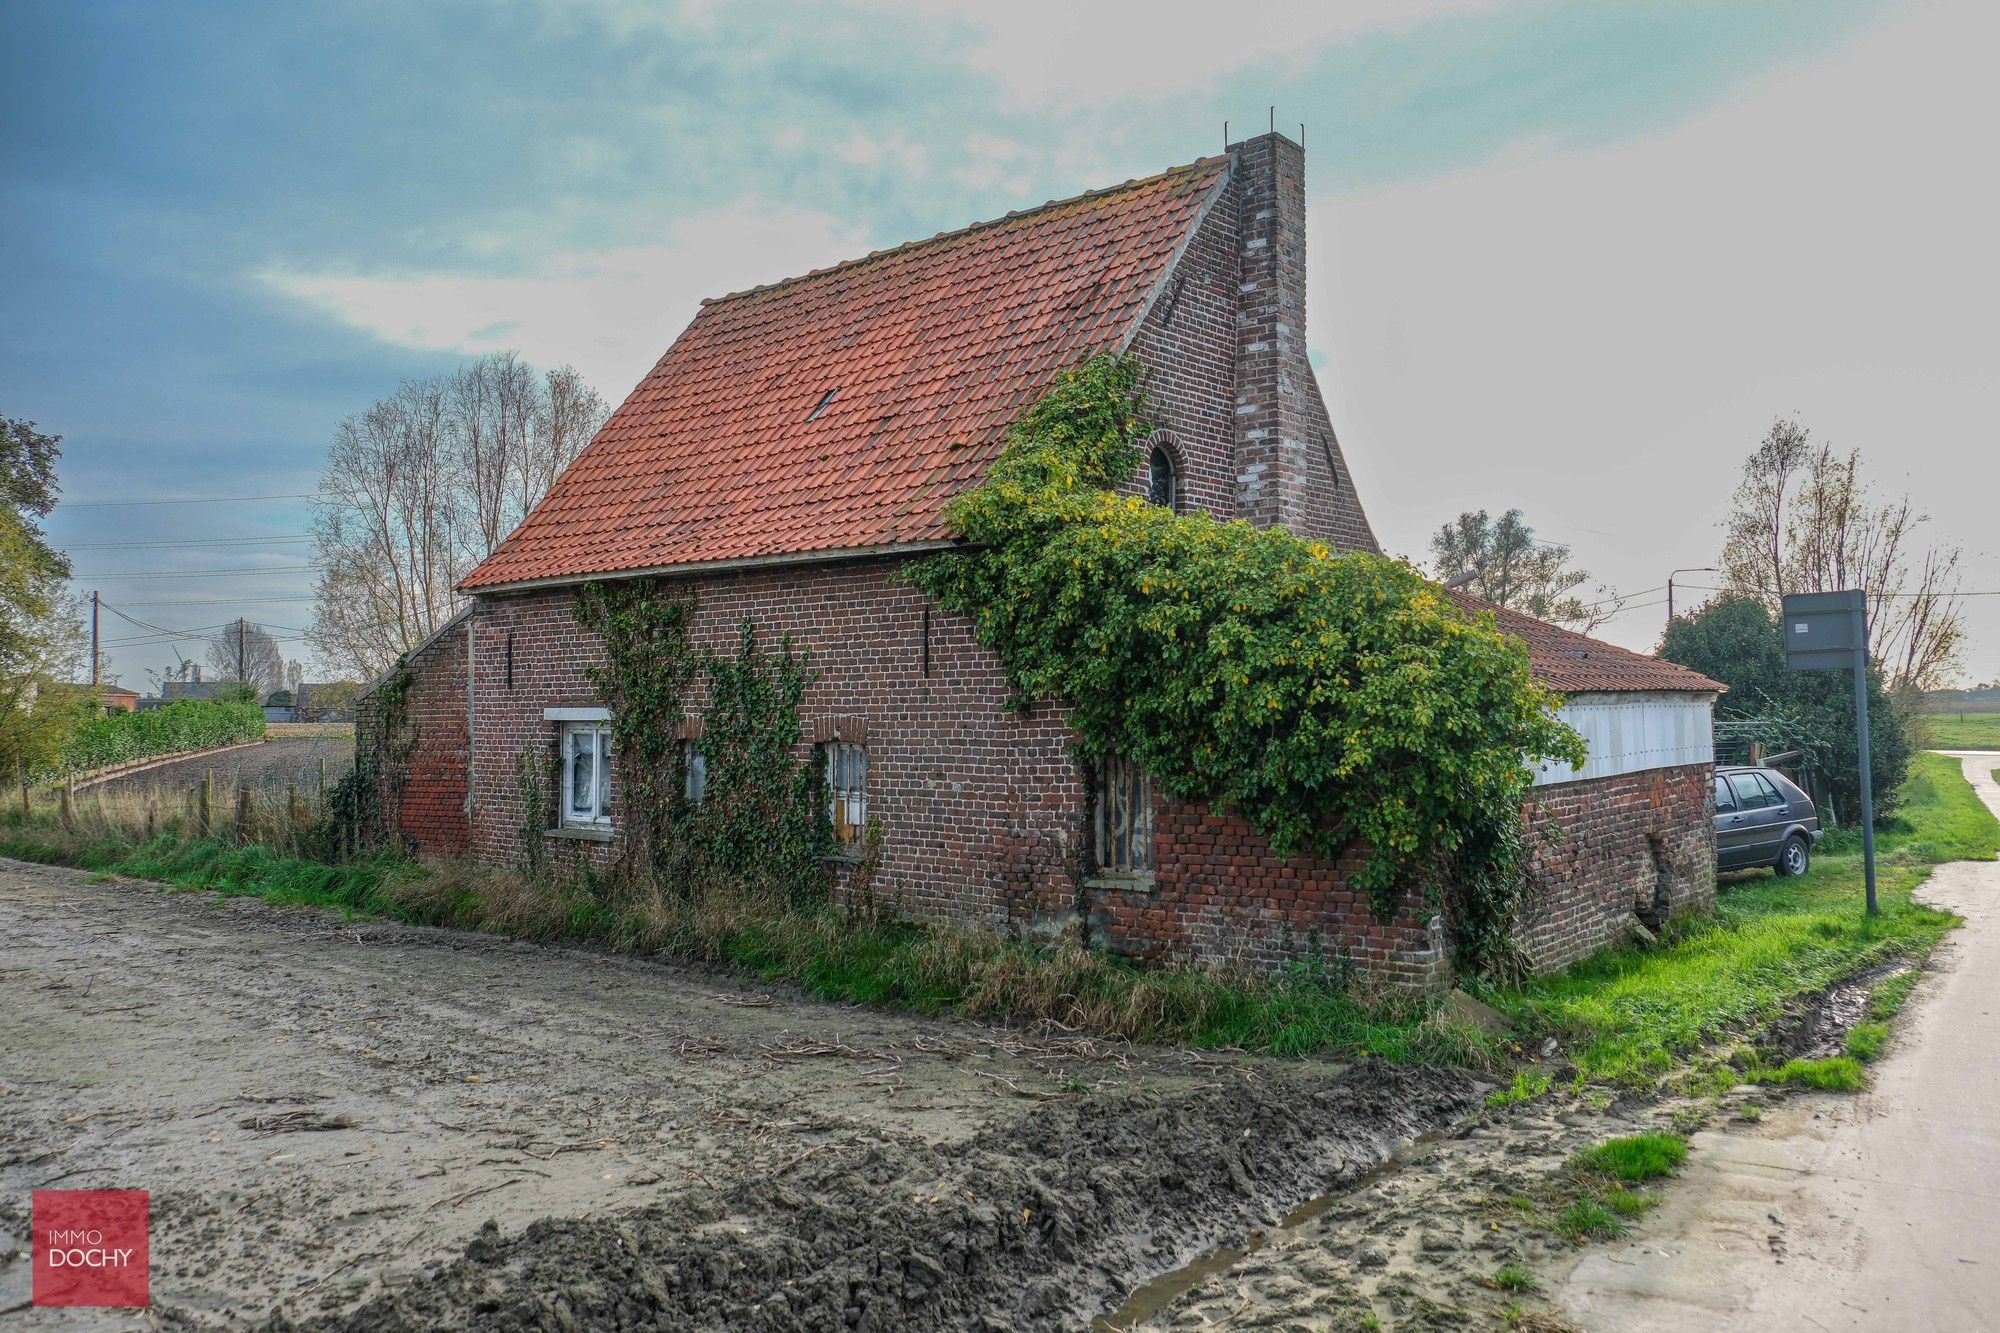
(288, 757)
(373, 1125)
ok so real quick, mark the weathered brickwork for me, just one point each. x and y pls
(424, 804)
(983, 807)
(1611, 849)
(978, 801)
(1220, 895)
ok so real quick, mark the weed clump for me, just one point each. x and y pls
(1635, 1157)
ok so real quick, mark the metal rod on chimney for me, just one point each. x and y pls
(1274, 120)
(93, 638)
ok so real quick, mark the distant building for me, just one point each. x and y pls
(118, 699)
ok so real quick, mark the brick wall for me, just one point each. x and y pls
(1639, 844)
(427, 809)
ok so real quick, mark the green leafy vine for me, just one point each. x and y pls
(1334, 699)
(762, 820)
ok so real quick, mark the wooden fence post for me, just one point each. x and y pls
(242, 814)
(201, 816)
(21, 771)
(152, 817)
(67, 812)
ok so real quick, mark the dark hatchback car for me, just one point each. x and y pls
(1762, 819)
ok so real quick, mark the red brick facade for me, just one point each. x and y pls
(423, 803)
(1612, 849)
(983, 808)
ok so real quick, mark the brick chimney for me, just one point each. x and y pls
(1275, 426)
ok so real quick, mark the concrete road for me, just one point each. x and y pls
(1880, 1211)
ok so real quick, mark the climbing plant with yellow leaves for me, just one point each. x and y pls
(1334, 699)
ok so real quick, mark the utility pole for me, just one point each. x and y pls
(240, 677)
(93, 638)
(1705, 569)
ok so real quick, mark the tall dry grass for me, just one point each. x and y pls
(858, 957)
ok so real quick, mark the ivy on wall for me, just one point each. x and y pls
(762, 822)
(1334, 699)
(364, 810)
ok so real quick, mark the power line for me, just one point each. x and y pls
(1980, 592)
(226, 601)
(191, 500)
(279, 539)
(203, 573)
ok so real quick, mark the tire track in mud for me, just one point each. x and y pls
(1036, 1223)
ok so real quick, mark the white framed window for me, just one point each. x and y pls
(847, 790)
(695, 764)
(587, 781)
(1124, 818)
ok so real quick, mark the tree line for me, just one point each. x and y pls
(1804, 517)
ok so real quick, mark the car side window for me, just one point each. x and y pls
(1725, 799)
(1772, 796)
(1750, 790)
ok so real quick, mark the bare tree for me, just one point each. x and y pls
(1804, 519)
(1509, 568)
(382, 532)
(422, 486)
(245, 651)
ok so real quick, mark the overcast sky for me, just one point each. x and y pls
(1567, 256)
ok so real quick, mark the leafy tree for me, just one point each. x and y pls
(1736, 641)
(1510, 568)
(41, 635)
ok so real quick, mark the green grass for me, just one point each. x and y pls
(1628, 1014)
(1866, 1040)
(1838, 1073)
(1889, 995)
(1514, 1277)
(1635, 1157)
(1587, 1219)
(1528, 1084)
(1962, 731)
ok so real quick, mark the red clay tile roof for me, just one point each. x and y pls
(732, 447)
(1572, 663)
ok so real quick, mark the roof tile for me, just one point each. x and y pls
(934, 347)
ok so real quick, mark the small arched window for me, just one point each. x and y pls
(1163, 486)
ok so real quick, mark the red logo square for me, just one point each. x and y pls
(92, 1247)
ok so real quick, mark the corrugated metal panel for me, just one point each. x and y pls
(1630, 736)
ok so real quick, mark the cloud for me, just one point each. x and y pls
(610, 314)
(1601, 337)
(1063, 55)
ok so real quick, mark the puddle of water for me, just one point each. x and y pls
(1169, 1287)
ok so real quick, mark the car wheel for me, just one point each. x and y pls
(1796, 857)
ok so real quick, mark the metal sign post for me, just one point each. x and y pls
(1829, 631)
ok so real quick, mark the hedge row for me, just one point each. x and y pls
(191, 724)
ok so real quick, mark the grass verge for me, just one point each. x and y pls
(1628, 1014)
(927, 968)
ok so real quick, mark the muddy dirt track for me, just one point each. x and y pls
(368, 1125)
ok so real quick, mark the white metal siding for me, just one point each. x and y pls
(1629, 734)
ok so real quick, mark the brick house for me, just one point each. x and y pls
(798, 444)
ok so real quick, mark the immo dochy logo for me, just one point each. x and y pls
(91, 1247)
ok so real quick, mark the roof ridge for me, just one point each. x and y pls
(953, 234)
